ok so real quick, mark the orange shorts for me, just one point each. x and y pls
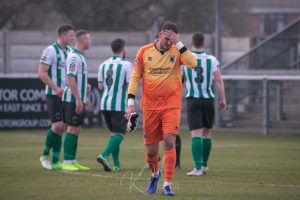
(156, 123)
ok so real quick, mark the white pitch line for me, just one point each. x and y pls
(187, 181)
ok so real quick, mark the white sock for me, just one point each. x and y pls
(155, 175)
(69, 161)
(166, 183)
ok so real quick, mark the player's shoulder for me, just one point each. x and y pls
(123, 62)
(145, 48)
(75, 53)
(126, 63)
(73, 56)
(213, 59)
(49, 49)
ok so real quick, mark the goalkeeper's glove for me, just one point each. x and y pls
(132, 122)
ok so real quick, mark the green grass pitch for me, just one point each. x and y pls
(242, 166)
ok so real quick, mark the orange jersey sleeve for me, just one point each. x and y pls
(137, 71)
(188, 59)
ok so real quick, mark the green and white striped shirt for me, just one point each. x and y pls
(77, 67)
(114, 74)
(55, 57)
(198, 81)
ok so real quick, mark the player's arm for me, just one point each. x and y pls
(135, 77)
(100, 77)
(73, 86)
(186, 57)
(45, 63)
(100, 86)
(72, 68)
(221, 89)
(43, 74)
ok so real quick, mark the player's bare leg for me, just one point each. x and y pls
(169, 163)
(152, 160)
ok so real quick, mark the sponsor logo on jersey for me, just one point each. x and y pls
(160, 70)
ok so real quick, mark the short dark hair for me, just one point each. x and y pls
(80, 33)
(170, 26)
(117, 45)
(64, 28)
(198, 39)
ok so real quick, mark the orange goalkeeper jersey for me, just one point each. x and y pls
(161, 76)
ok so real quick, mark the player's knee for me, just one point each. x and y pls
(169, 145)
(74, 130)
(151, 154)
(206, 133)
(196, 133)
(169, 142)
(57, 128)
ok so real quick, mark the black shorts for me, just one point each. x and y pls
(71, 117)
(200, 113)
(115, 121)
(55, 108)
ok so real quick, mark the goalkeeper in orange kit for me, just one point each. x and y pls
(158, 65)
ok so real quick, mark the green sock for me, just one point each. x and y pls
(115, 152)
(48, 142)
(70, 146)
(113, 142)
(56, 147)
(196, 151)
(108, 148)
(206, 147)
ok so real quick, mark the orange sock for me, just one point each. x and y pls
(169, 164)
(152, 162)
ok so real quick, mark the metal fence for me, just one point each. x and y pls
(280, 51)
(262, 103)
